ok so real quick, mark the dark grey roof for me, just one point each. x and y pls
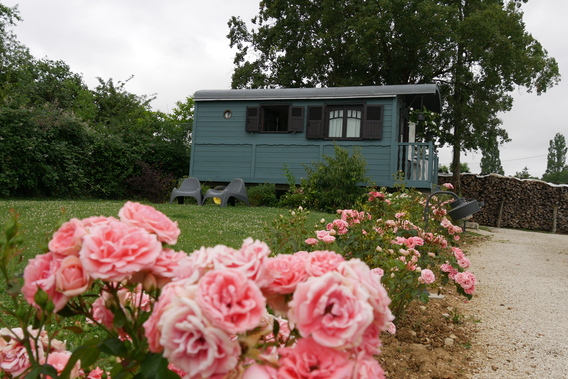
(414, 94)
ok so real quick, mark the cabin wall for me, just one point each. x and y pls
(222, 150)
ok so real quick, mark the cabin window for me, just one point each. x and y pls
(345, 122)
(275, 118)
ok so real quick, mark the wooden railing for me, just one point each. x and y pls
(419, 163)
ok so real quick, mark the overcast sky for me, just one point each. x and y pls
(176, 47)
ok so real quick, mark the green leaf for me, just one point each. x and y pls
(153, 366)
(40, 371)
(113, 346)
(88, 353)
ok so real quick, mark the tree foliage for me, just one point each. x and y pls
(477, 50)
(58, 138)
(491, 161)
(556, 168)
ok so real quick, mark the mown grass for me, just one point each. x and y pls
(207, 225)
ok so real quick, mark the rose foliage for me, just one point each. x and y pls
(387, 232)
(218, 312)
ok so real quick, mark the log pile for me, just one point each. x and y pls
(516, 203)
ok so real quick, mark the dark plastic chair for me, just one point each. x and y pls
(191, 187)
(235, 189)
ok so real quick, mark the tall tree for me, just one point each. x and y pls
(491, 161)
(556, 169)
(478, 50)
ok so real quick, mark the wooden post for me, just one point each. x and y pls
(500, 213)
(554, 217)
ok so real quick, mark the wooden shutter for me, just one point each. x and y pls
(253, 119)
(373, 122)
(315, 122)
(296, 119)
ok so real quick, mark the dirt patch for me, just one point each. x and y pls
(432, 340)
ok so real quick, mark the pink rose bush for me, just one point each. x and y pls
(219, 312)
(387, 234)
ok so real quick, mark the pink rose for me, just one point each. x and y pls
(41, 272)
(391, 328)
(311, 241)
(166, 264)
(230, 301)
(367, 367)
(427, 276)
(150, 219)
(192, 344)
(259, 371)
(449, 269)
(332, 309)
(171, 291)
(328, 239)
(358, 271)
(284, 272)
(309, 360)
(116, 251)
(67, 239)
(249, 259)
(467, 281)
(70, 279)
(464, 262)
(58, 360)
(90, 222)
(320, 262)
(14, 358)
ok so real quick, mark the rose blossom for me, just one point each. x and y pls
(14, 358)
(58, 360)
(332, 309)
(116, 251)
(427, 276)
(467, 281)
(260, 371)
(358, 271)
(311, 241)
(307, 359)
(150, 219)
(192, 344)
(70, 278)
(249, 259)
(173, 290)
(449, 269)
(284, 272)
(230, 301)
(367, 367)
(320, 262)
(67, 239)
(166, 265)
(41, 272)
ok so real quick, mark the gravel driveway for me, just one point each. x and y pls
(521, 302)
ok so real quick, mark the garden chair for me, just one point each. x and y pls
(190, 187)
(235, 189)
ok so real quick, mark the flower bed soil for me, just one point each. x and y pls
(432, 340)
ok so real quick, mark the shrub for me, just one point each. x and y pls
(336, 183)
(150, 184)
(387, 233)
(262, 195)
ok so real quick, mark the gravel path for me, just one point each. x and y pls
(521, 302)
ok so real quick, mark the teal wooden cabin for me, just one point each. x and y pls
(253, 133)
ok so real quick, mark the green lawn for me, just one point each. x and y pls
(207, 225)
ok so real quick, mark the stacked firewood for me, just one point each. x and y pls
(514, 203)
